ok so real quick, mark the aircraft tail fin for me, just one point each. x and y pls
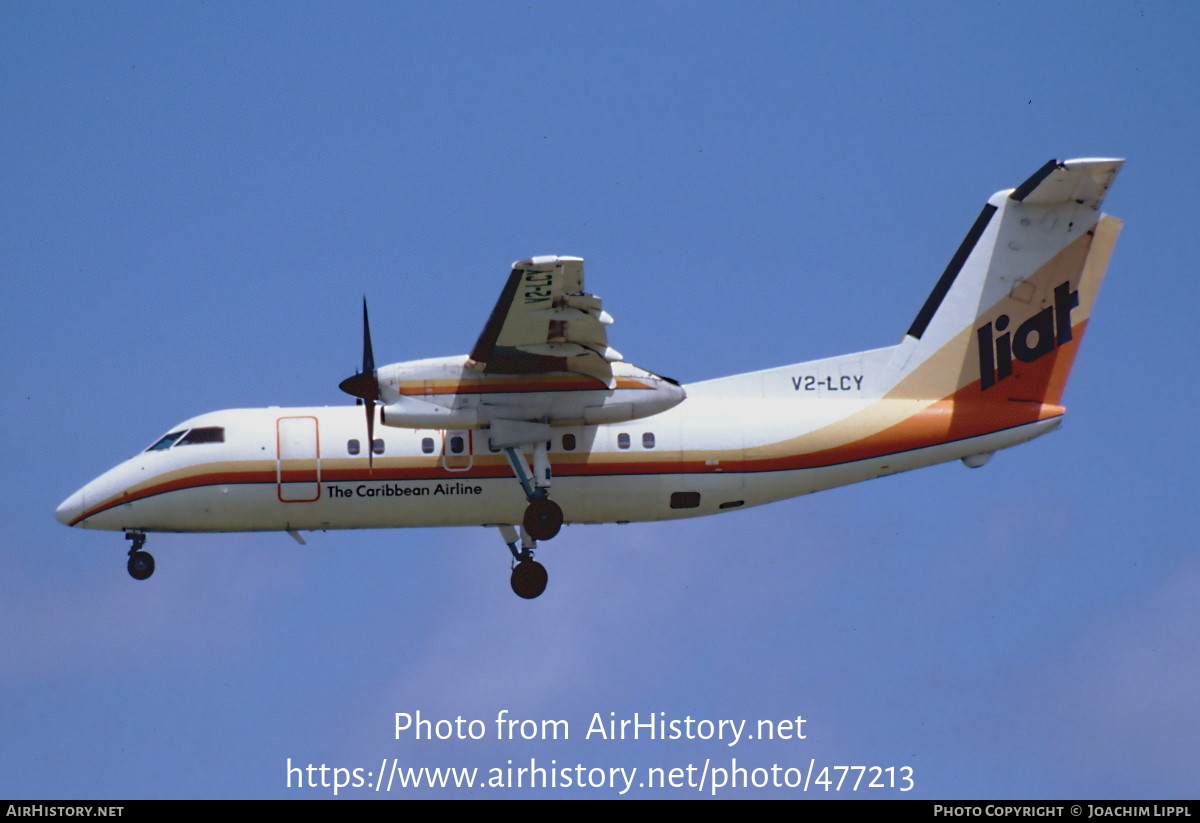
(993, 343)
(1004, 322)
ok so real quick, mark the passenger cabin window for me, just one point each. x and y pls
(648, 440)
(427, 445)
(623, 440)
(205, 434)
(456, 444)
(352, 447)
(377, 446)
(165, 442)
(568, 442)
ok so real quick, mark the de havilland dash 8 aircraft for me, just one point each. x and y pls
(543, 423)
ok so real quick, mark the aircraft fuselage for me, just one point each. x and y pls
(292, 469)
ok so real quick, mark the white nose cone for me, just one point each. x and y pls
(69, 510)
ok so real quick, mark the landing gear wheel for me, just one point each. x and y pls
(529, 578)
(543, 518)
(140, 565)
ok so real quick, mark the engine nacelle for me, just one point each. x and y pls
(411, 413)
(445, 393)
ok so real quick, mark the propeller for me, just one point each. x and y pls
(365, 385)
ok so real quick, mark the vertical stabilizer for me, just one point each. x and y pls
(1004, 321)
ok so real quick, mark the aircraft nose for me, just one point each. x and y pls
(69, 510)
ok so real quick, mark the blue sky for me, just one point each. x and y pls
(196, 195)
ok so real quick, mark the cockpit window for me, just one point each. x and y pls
(166, 442)
(205, 434)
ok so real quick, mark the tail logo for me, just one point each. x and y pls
(1037, 336)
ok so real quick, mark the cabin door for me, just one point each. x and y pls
(297, 460)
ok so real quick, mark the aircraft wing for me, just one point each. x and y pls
(545, 322)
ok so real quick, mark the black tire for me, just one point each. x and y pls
(140, 565)
(529, 579)
(543, 518)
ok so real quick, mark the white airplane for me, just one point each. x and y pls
(981, 368)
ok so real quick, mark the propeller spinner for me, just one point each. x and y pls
(365, 385)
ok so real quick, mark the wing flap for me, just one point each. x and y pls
(545, 322)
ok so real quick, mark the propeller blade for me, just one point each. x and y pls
(368, 351)
(365, 385)
(369, 368)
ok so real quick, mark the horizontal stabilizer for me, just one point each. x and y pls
(1084, 181)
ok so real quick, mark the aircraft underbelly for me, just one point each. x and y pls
(772, 486)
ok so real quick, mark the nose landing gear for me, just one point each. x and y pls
(141, 563)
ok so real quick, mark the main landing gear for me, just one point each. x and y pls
(141, 563)
(543, 517)
(528, 576)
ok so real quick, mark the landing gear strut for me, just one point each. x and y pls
(543, 517)
(528, 576)
(141, 563)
